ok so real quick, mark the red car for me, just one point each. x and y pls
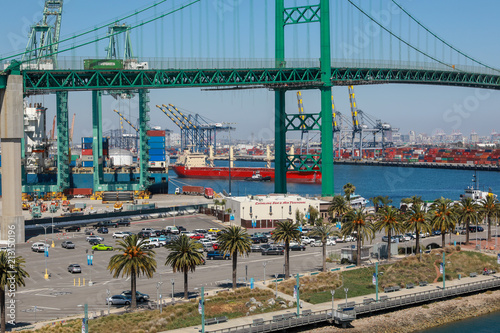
(215, 246)
(198, 236)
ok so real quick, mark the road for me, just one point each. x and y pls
(59, 297)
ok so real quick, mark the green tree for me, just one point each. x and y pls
(443, 217)
(313, 215)
(235, 241)
(417, 219)
(338, 207)
(134, 260)
(467, 211)
(348, 190)
(12, 273)
(380, 201)
(298, 216)
(357, 222)
(389, 219)
(414, 200)
(323, 231)
(489, 207)
(184, 257)
(286, 232)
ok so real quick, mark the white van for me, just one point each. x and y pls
(39, 247)
(172, 230)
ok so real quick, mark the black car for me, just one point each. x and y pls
(263, 239)
(73, 228)
(145, 234)
(107, 224)
(297, 247)
(273, 251)
(102, 230)
(255, 240)
(125, 222)
(181, 228)
(255, 248)
(140, 297)
(94, 241)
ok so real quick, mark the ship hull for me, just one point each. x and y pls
(313, 177)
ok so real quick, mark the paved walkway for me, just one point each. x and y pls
(323, 306)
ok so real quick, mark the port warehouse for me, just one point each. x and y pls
(265, 211)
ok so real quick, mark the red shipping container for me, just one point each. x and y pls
(156, 133)
(87, 152)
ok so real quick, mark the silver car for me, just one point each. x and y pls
(99, 238)
(74, 268)
(68, 245)
(118, 300)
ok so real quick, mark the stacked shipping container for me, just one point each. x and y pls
(88, 154)
(156, 144)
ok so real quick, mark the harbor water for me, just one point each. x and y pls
(370, 181)
(489, 323)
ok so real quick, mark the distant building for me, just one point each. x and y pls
(412, 137)
(474, 138)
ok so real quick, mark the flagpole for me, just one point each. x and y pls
(376, 281)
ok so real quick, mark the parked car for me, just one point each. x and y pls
(73, 228)
(94, 241)
(102, 230)
(172, 230)
(89, 232)
(121, 234)
(436, 232)
(68, 244)
(255, 248)
(214, 230)
(409, 236)
(140, 297)
(255, 240)
(385, 239)
(200, 231)
(211, 255)
(107, 224)
(74, 268)
(316, 243)
(198, 236)
(145, 234)
(306, 240)
(102, 247)
(181, 228)
(274, 250)
(330, 242)
(297, 247)
(39, 247)
(124, 222)
(94, 237)
(118, 300)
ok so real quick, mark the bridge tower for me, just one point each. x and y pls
(283, 122)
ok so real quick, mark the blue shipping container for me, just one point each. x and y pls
(72, 164)
(156, 151)
(157, 158)
(156, 145)
(156, 139)
(87, 140)
(88, 164)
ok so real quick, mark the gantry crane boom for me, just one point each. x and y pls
(356, 126)
(183, 116)
(303, 126)
(180, 125)
(126, 120)
(72, 129)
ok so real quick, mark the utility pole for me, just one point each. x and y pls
(376, 282)
(298, 295)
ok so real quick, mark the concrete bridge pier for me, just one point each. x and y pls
(11, 132)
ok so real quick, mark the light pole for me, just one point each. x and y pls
(53, 245)
(45, 250)
(246, 275)
(172, 281)
(376, 282)
(229, 130)
(109, 295)
(333, 293)
(298, 295)
(264, 264)
(158, 286)
(346, 290)
(276, 280)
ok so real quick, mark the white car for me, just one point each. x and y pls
(99, 238)
(206, 242)
(172, 230)
(330, 242)
(306, 240)
(158, 241)
(39, 247)
(348, 239)
(316, 243)
(121, 234)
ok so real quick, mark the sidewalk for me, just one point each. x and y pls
(323, 306)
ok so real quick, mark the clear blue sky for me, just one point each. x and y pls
(223, 29)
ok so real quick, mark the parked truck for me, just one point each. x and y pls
(193, 190)
(209, 193)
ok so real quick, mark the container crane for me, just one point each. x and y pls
(302, 127)
(356, 126)
(124, 142)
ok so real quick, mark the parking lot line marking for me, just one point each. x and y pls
(46, 307)
(45, 295)
(30, 291)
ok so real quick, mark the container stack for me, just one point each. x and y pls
(156, 144)
(88, 154)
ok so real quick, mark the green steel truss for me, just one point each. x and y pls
(302, 14)
(303, 162)
(278, 78)
(303, 122)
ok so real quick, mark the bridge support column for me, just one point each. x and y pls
(63, 158)
(97, 139)
(143, 138)
(11, 122)
(279, 142)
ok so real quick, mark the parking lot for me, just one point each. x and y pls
(61, 295)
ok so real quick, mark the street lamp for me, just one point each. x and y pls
(229, 154)
(46, 250)
(276, 279)
(346, 290)
(172, 281)
(333, 293)
(264, 264)
(109, 295)
(158, 286)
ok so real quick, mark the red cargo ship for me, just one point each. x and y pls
(193, 165)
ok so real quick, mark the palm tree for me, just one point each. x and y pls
(417, 219)
(356, 222)
(348, 190)
(376, 202)
(388, 218)
(414, 200)
(134, 260)
(235, 241)
(467, 212)
(184, 257)
(323, 231)
(490, 207)
(12, 272)
(442, 217)
(286, 232)
(338, 206)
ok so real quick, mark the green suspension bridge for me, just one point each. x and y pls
(376, 42)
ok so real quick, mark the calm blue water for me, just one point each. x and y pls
(370, 181)
(484, 324)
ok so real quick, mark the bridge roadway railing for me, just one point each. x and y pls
(282, 324)
(427, 296)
